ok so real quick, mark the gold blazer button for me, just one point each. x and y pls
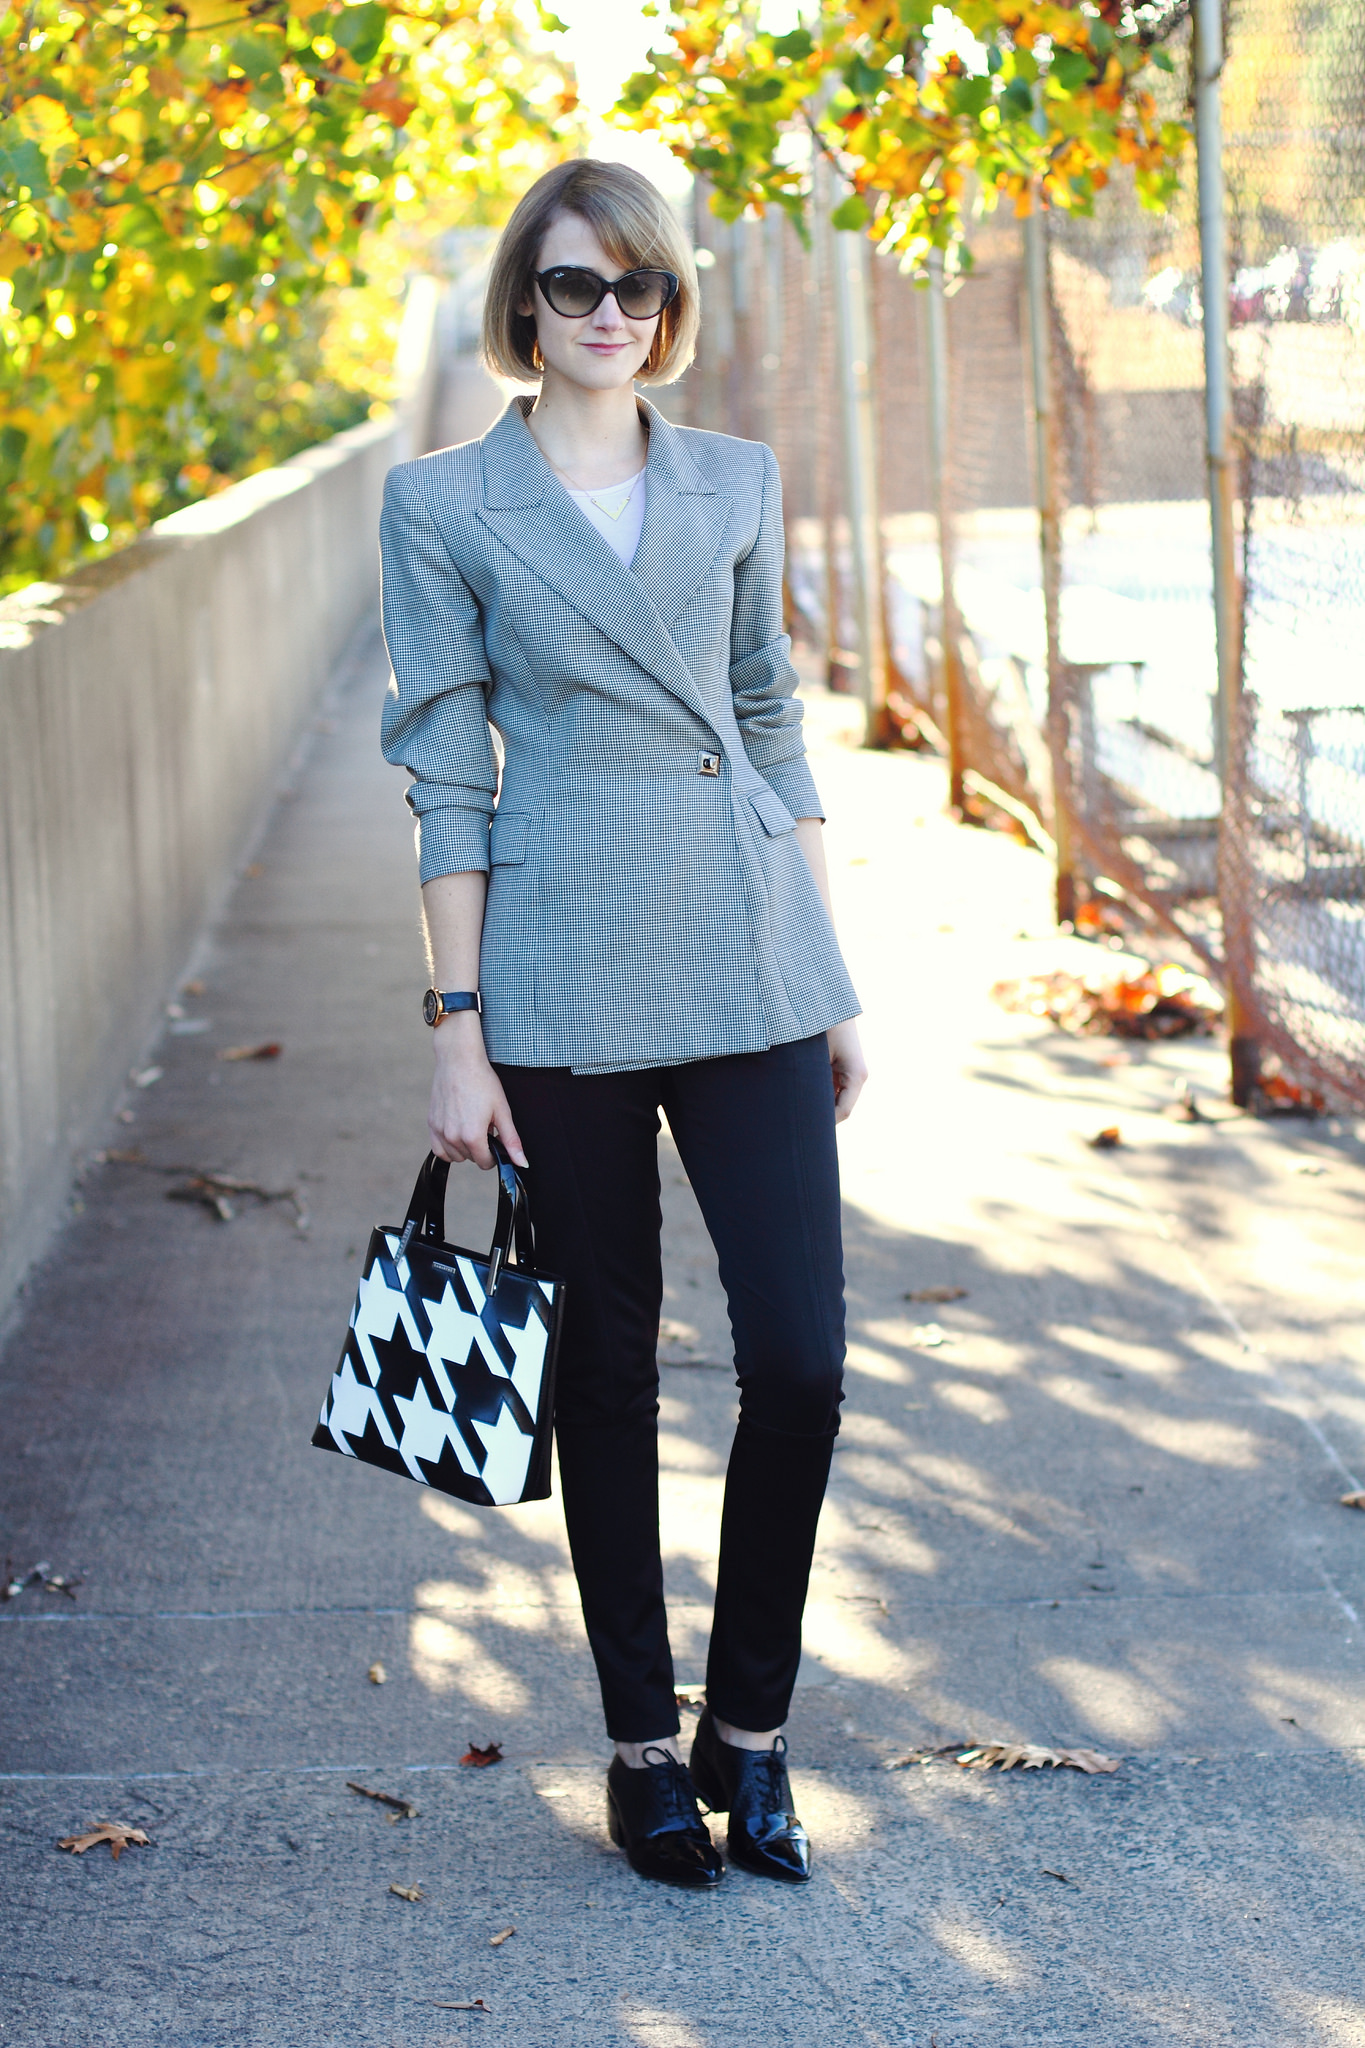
(710, 765)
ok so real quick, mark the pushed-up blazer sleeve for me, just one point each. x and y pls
(435, 721)
(762, 679)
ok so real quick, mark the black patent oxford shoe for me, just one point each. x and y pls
(652, 1814)
(751, 1786)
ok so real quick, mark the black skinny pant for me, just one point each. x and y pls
(756, 1135)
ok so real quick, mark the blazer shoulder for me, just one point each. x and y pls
(446, 472)
(727, 460)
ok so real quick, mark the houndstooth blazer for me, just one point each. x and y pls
(648, 903)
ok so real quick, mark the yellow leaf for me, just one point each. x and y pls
(46, 122)
(239, 179)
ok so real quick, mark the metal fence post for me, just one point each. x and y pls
(1038, 295)
(1050, 543)
(1229, 733)
(853, 355)
(940, 463)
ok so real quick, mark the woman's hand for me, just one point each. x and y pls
(467, 1098)
(848, 1068)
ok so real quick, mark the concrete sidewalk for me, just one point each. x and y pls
(1097, 1505)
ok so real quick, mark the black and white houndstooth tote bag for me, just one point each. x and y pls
(447, 1374)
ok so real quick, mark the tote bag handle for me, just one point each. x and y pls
(426, 1215)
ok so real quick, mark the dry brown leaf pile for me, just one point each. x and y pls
(1006, 1756)
(116, 1833)
(1157, 1002)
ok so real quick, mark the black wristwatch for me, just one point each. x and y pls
(435, 1005)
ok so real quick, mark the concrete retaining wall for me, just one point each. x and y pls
(146, 707)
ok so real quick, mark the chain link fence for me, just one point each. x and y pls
(1294, 115)
(1263, 860)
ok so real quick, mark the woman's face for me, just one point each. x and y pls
(602, 350)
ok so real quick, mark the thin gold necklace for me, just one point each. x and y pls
(609, 511)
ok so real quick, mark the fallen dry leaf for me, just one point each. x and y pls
(497, 1940)
(1107, 1139)
(377, 1675)
(690, 1696)
(270, 1050)
(1353, 1500)
(406, 1809)
(477, 1758)
(1060, 1875)
(1155, 1002)
(38, 1575)
(193, 988)
(936, 1294)
(460, 2005)
(116, 1833)
(1005, 1756)
(928, 1336)
(413, 1892)
(1274, 1095)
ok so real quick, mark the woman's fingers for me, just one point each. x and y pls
(507, 1131)
(463, 1110)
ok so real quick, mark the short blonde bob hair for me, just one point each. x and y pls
(637, 228)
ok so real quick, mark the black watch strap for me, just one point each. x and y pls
(436, 1005)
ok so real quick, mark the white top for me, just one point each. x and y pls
(618, 513)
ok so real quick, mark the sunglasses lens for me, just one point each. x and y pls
(571, 292)
(644, 293)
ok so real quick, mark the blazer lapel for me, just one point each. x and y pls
(685, 523)
(528, 510)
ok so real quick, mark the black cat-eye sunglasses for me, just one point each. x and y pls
(641, 294)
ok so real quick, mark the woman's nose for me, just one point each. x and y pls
(608, 314)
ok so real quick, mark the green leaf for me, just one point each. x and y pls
(864, 80)
(260, 60)
(24, 164)
(1016, 101)
(360, 30)
(968, 96)
(1102, 38)
(1071, 69)
(851, 214)
(796, 45)
(994, 59)
(1163, 59)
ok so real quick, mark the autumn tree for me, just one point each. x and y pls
(907, 102)
(185, 186)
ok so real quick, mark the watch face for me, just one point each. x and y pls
(431, 1006)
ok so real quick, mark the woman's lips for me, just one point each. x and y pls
(605, 348)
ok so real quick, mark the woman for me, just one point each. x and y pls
(644, 917)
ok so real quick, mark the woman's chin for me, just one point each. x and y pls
(600, 373)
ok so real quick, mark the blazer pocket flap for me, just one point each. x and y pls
(773, 814)
(507, 840)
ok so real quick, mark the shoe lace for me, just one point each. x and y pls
(677, 1800)
(771, 1767)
